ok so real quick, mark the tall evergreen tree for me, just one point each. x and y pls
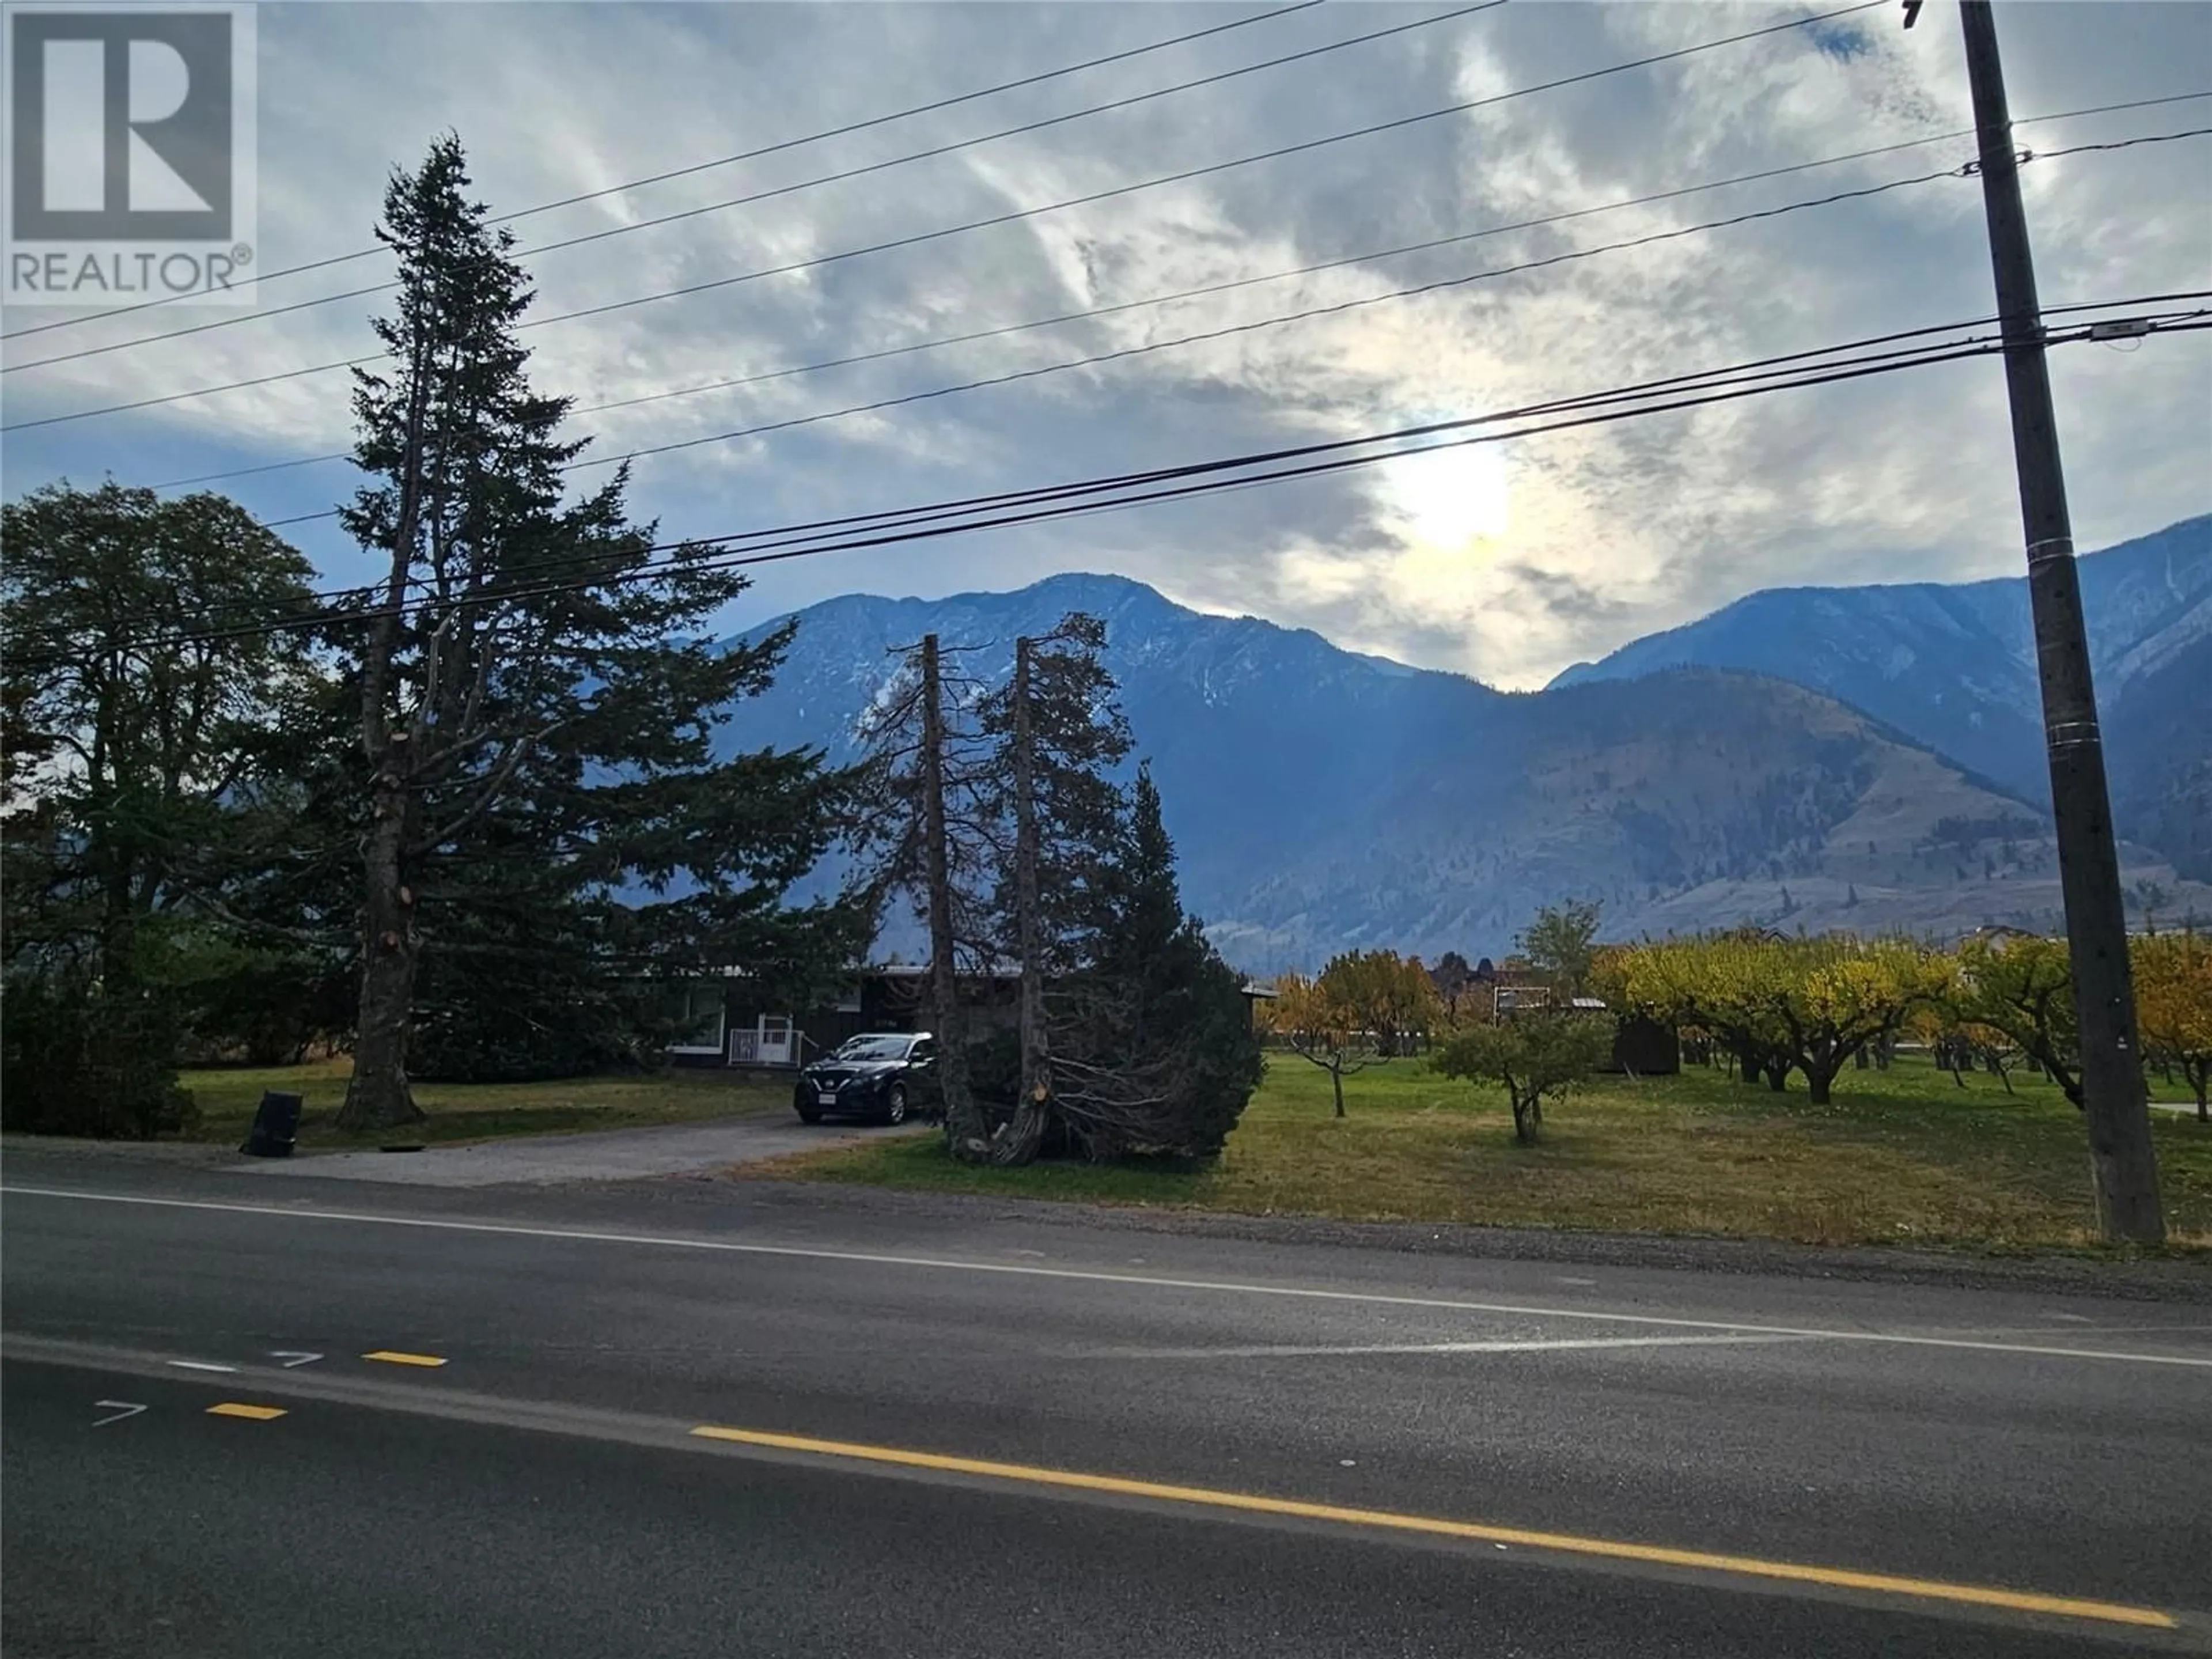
(1156, 1038)
(537, 710)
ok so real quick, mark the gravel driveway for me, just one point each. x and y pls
(551, 1160)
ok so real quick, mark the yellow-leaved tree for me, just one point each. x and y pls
(1365, 1007)
(2173, 1006)
(2021, 986)
(1785, 1005)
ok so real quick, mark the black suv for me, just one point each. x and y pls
(881, 1075)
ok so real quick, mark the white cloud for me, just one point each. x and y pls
(1507, 562)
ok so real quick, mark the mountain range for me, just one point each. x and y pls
(1866, 757)
(1952, 666)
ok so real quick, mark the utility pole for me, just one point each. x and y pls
(2122, 1164)
(962, 1126)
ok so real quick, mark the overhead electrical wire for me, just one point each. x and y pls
(1231, 285)
(694, 167)
(1792, 371)
(1010, 216)
(1334, 308)
(265, 313)
(908, 534)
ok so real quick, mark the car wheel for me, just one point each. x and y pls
(895, 1104)
(808, 1114)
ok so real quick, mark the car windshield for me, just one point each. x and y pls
(874, 1048)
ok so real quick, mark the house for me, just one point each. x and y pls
(729, 1020)
(1254, 995)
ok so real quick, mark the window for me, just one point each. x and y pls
(849, 1000)
(696, 1012)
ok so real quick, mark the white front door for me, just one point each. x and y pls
(775, 1038)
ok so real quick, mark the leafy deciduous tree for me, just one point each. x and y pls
(2173, 1005)
(1365, 1007)
(139, 747)
(1535, 1056)
(1560, 943)
(2022, 985)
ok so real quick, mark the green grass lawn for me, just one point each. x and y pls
(1904, 1157)
(479, 1111)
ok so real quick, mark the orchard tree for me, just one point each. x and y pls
(1711, 984)
(2173, 1006)
(1535, 1056)
(2022, 985)
(1321, 1028)
(1366, 1007)
(1807, 1005)
(1391, 998)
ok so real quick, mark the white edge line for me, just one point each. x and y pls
(1097, 1277)
(1531, 1345)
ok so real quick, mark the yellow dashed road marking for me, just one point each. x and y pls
(237, 1408)
(1930, 1589)
(391, 1358)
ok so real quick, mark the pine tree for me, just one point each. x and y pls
(1157, 1042)
(537, 710)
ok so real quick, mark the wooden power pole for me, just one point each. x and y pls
(962, 1124)
(1027, 1129)
(2123, 1163)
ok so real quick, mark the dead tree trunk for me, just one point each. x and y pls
(1017, 1143)
(964, 1129)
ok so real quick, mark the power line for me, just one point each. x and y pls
(899, 525)
(1985, 347)
(1336, 308)
(264, 313)
(989, 221)
(725, 161)
(1338, 263)
(962, 505)
(896, 525)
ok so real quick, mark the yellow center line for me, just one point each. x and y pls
(1931, 1589)
(237, 1408)
(390, 1358)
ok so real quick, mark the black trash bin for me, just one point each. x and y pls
(275, 1126)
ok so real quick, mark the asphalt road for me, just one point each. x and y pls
(679, 1418)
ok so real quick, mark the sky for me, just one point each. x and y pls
(1506, 562)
